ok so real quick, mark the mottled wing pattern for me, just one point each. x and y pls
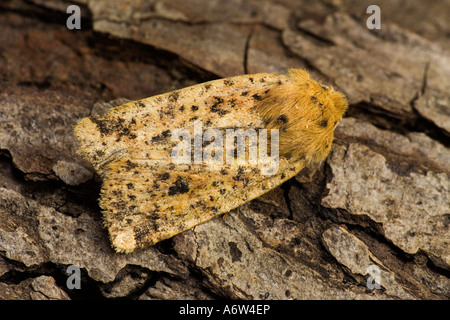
(145, 196)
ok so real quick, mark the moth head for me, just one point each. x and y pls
(307, 88)
(306, 113)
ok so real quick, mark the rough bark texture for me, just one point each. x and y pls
(381, 201)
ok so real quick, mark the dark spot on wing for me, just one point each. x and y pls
(161, 136)
(164, 176)
(180, 186)
(216, 106)
(238, 176)
(283, 119)
(129, 165)
(323, 123)
(257, 97)
(173, 96)
(106, 127)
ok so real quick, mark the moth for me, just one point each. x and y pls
(166, 162)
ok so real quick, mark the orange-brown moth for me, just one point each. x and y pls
(148, 194)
